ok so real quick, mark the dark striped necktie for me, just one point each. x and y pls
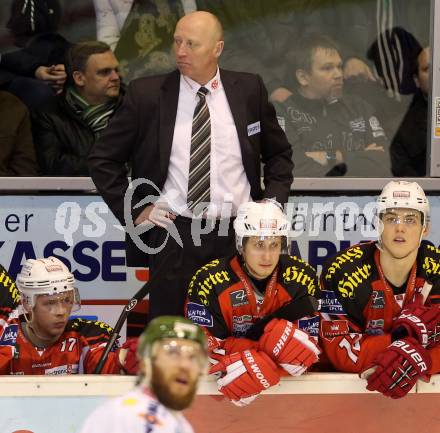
(198, 179)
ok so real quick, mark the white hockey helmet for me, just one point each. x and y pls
(46, 277)
(403, 194)
(262, 220)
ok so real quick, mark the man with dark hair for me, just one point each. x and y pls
(65, 132)
(408, 148)
(331, 134)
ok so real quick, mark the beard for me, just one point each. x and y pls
(159, 386)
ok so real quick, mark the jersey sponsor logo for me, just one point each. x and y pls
(241, 324)
(9, 284)
(200, 315)
(240, 329)
(239, 298)
(333, 328)
(204, 286)
(299, 275)
(431, 266)
(42, 365)
(329, 303)
(311, 326)
(348, 256)
(375, 327)
(378, 300)
(242, 319)
(62, 369)
(358, 125)
(350, 281)
(9, 336)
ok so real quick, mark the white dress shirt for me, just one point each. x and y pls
(229, 186)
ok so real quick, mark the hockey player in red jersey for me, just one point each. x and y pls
(380, 314)
(257, 307)
(36, 335)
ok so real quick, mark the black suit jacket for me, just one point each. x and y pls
(141, 133)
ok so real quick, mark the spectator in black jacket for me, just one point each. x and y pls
(408, 149)
(331, 134)
(65, 131)
(34, 73)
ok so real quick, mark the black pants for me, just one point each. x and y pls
(173, 266)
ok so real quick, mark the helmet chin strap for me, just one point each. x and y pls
(32, 332)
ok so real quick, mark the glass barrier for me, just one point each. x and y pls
(349, 79)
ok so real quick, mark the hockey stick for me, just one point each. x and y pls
(143, 291)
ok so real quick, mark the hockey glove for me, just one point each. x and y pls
(288, 346)
(245, 375)
(398, 367)
(127, 356)
(419, 322)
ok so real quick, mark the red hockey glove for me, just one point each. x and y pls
(247, 373)
(288, 346)
(229, 346)
(127, 356)
(398, 367)
(419, 322)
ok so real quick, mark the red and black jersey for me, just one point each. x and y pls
(222, 299)
(357, 306)
(78, 349)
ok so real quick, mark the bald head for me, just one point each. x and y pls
(206, 21)
(198, 43)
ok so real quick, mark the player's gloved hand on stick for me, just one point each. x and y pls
(294, 350)
(396, 370)
(245, 375)
(420, 322)
(127, 356)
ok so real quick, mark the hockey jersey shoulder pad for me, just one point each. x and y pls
(300, 274)
(211, 279)
(91, 330)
